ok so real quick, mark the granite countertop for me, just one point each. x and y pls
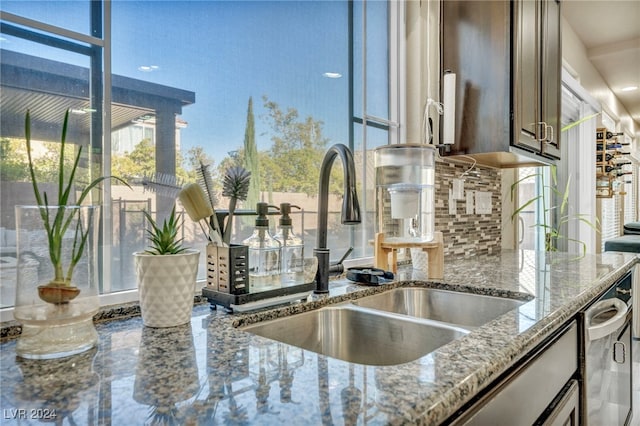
(212, 372)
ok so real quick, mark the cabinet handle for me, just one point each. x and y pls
(544, 126)
(520, 230)
(550, 131)
(611, 325)
(619, 352)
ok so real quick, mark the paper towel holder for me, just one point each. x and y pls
(448, 107)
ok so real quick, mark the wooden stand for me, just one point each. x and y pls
(434, 250)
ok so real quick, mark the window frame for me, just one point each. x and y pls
(97, 47)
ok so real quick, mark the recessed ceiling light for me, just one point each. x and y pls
(332, 74)
(629, 88)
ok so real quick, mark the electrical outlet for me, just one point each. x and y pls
(470, 196)
(458, 189)
(483, 202)
(452, 203)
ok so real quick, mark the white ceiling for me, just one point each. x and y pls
(610, 31)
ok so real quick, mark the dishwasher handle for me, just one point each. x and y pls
(598, 331)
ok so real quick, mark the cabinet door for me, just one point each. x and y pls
(476, 46)
(526, 75)
(567, 410)
(551, 63)
(527, 393)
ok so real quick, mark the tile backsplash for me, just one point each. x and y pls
(468, 234)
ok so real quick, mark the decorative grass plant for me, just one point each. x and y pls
(57, 224)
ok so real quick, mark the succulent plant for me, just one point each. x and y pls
(164, 240)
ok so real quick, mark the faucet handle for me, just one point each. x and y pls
(337, 267)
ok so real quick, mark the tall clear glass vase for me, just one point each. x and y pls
(57, 280)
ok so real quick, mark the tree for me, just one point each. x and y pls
(251, 158)
(141, 161)
(195, 156)
(137, 163)
(297, 152)
(12, 161)
(192, 162)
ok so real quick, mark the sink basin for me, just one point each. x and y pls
(467, 310)
(359, 335)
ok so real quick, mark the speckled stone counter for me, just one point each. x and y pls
(211, 372)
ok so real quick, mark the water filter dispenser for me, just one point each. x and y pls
(405, 203)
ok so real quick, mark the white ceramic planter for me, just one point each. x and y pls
(166, 286)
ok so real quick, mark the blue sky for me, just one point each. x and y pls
(225, 52)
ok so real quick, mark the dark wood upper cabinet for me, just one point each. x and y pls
(507, 60)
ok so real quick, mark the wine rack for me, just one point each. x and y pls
(611, 158)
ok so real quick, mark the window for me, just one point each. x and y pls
(629, 180)
(576, 234)
(610, 222)
(48, 73)
(636, 191)
(66, 14)
(533, 182)
(577, 168)
(203, 82)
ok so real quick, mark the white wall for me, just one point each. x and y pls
(575, 54)
(422, 68)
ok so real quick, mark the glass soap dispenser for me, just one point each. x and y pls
(264, 254)
(292, 253)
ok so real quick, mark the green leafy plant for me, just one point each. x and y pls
(552, 233)
(578, 122)
(164, 239)
(57, 225)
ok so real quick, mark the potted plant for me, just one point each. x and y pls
(56, 299)
(553, 230)
(166, 274)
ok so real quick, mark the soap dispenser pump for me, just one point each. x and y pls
(292, 253)
(264, 254)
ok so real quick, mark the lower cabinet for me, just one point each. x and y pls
(565, 411)
(542, 390)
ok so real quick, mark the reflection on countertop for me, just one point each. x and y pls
(212, 372)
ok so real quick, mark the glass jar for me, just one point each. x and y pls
(57, 279)
(405, 202)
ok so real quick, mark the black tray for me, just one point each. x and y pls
(227, 300)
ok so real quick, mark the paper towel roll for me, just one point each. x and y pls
(449, 109)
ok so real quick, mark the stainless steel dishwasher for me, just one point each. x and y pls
(635, 297)
(607, 363)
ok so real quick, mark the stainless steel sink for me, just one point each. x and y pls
(359, 335)
(462, 309)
